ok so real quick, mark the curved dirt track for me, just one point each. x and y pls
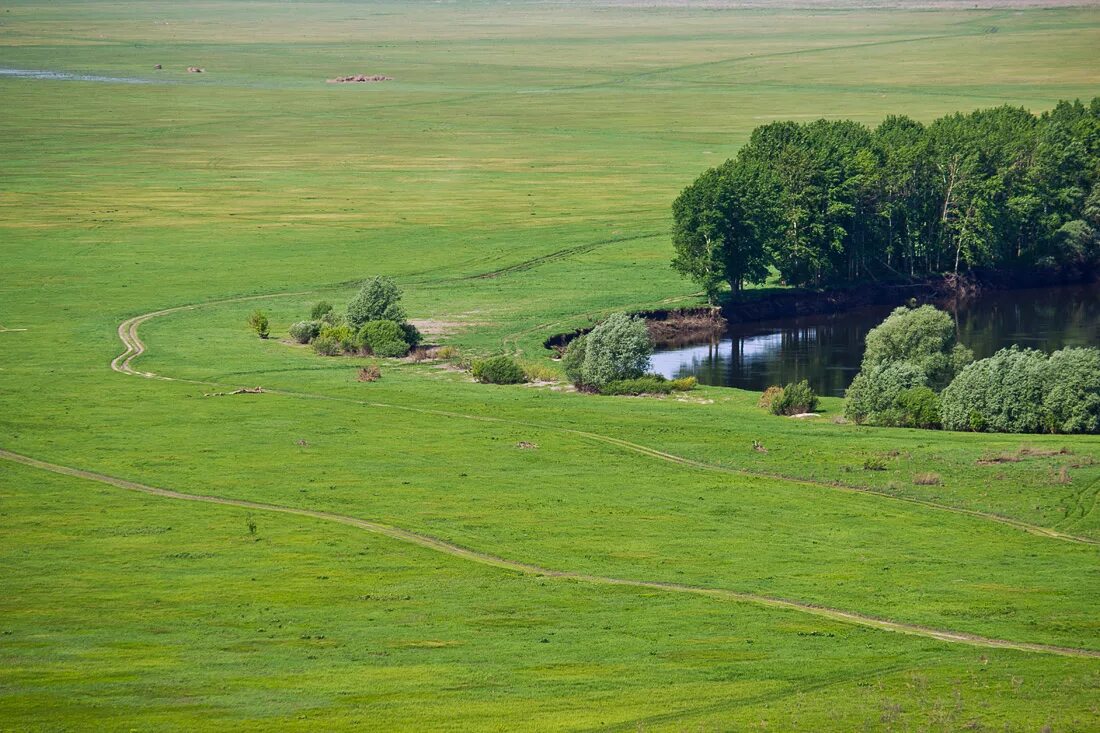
(448, 548)
(135, 347)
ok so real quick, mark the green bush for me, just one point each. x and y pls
(1072, 401)
(326, 345)
(344, 337)
(796, 399)
(874, 392)
(1001, 394)
(305, 331)
(645, 384)
(320, 310)
(572, 360)
(258, 322)
(924, 337)
(498, 370)
(617, 349)
(384, 338)
(378, 300)
(412, 334)
(917, 407)
(684, 384)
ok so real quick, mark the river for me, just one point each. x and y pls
(826, 350)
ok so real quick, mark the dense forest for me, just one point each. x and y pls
(834, 202)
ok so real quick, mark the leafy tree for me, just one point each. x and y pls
(258, 322)
(1072, 401)
(320, 310)
(720, 229)
(619, 348)
(924, 337)
(378, 300)
(1001, 394)
(873, 395)
(573, 360)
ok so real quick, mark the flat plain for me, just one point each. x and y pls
(641, 567)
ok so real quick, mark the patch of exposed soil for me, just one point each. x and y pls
(359, 78)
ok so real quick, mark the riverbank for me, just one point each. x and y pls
(681, 326)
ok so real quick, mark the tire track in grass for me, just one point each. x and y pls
(449, 548)
(135, 347)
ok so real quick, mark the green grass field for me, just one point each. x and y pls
(515, 177)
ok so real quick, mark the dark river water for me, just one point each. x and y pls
(826, 350)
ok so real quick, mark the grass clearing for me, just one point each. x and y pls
(515, 178)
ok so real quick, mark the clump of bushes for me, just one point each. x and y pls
(258, 322)
(795, 399)
(1025, 391)
(375, 323)
(305, 331)
(913, 353)
(498, 370)
(384, 338)
(615, 350)
(369, 373)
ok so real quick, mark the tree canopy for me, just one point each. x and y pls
(834, 202)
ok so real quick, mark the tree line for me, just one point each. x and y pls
(835, 202)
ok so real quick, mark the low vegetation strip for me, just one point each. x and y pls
(439, 545)
(123, 363)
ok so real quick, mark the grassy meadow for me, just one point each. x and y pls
(515, 177)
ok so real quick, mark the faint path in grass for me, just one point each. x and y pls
(135, 347)
(465, 553)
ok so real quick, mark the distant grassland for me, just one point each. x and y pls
(516, 178)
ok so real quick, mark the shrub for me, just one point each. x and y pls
(1072, 401)
(796, 399)
(412, 334)
(540, 372)
(926, 479)
(258, 322)
(325, 345)
(874, 392)
(498, 370)
(305, 331)
(384, 338)
(770, 395)
(646, 384)
(924, 337)
(917, 407)
(573, 360)
(343, 336)
(332, 318)
(320, 310)
(378, 300)
(684, 384)
(874, 463)
(1001, 394)
(617, 349)
(445, 352)
(369, 373)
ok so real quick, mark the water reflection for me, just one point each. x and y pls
(826, 350)
(66, 76)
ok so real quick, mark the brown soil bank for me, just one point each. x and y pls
(687, 325)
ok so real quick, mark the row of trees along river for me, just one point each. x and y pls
(833, 202)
